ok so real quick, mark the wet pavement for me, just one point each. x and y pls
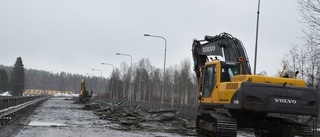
(58, 117)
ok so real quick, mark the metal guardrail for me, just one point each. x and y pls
(12, 108)
(185, 111)
(9, 101)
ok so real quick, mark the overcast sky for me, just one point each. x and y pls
(78, 35)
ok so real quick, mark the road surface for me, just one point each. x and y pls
(58, 117)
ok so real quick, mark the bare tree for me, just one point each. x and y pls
(304, 59)
(116, 86)
(169, 85)
(290, 61)
(126, 76)
(141, 79)
(185, 80)
(176, 83)
(312, 48)
(310, 12)
(155, 85)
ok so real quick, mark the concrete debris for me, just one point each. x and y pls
(162, 111)
(134, 118)
(120, 101)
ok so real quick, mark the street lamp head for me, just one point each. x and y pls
(117, 53)
(146, 34)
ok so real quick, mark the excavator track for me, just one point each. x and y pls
(216, 125)
(298, 129)
(284, 128)
(304, 131)
(288, 131)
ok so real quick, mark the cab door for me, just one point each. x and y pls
(209, 82)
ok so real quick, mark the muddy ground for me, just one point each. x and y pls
(58, 117)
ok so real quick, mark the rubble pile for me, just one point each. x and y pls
(134, 118)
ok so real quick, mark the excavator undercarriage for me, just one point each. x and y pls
(212, 123)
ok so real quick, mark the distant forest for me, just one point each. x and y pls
(144, 82)
(39, 79)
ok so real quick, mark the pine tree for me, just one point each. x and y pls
(17, 78)
(3, 80)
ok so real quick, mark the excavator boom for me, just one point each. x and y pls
(223, 45)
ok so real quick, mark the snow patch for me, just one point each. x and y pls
(52, 124)
(66, 95)
(5, 94)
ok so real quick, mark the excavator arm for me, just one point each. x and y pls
(224, 45)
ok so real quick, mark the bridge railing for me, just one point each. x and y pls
(12, 108)
(9, 101)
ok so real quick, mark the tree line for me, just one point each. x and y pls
(144, 81)
(148, 83)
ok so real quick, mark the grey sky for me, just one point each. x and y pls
(77, 35)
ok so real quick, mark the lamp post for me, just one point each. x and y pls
(98, 70)
(256, 46)
(164, 64)
(108, 64)
(126, 55)
(129, 91)
(111, 96)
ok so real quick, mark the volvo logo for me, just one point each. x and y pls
(285, 101)
(209, 49)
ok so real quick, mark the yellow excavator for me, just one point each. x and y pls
(230, 97)
(84, 95)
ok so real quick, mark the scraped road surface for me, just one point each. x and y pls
(58, 117)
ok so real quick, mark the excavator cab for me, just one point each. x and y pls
(214, 73)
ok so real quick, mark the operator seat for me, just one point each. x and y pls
(225, 76)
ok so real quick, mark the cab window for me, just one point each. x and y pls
(228, 71)
(209, 80)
